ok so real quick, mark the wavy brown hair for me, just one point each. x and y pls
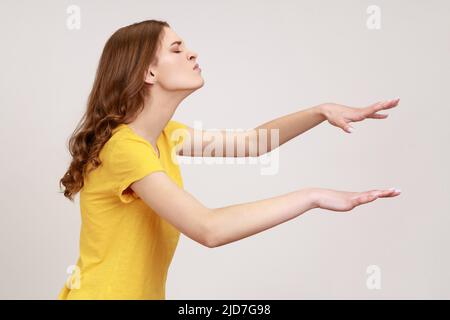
(117, 96)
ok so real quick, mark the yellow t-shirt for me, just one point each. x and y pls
(125, 247)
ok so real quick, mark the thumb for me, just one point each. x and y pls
(368, 196)
(345, 126)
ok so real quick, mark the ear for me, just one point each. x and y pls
(150, 77)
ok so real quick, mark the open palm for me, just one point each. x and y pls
(345, 201)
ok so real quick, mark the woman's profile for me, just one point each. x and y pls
(132, 201)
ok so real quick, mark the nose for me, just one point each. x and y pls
(193, 54)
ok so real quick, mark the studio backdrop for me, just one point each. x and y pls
(260, 60)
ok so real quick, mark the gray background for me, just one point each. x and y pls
(260, 60)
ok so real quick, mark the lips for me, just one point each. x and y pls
(196, 66)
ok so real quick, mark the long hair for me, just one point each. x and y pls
(117, 96)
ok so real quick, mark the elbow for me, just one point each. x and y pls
(212, 242)
(209, 243)
(209, 239)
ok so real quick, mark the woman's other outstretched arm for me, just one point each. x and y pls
(213, 227)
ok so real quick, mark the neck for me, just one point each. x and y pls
(158, 109)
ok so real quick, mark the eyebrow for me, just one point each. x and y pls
(176, 42)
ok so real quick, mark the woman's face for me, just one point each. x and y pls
(175, 69)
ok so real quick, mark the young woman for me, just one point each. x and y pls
(133, 205)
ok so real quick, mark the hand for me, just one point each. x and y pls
(346, 201)
(341, 116)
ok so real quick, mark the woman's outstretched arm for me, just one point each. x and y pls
(213, 227)
(247, 143)
(239, 221)
(294, 124)
(258, 141)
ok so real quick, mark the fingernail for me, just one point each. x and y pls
(398, 190)
(350, 129)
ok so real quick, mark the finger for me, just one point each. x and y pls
(356, 195)
(378, 116)
(368, 198)
(365, 197)
(386, 193)
(390, 104)
(393, 192)
(382, 105)
(347, 127)
(373, 108)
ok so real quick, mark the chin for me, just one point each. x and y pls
(200, 84)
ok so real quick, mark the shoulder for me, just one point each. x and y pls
(124, 146)
(176, 130)
(174, 124)
(123, 136)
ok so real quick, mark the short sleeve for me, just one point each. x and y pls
(177, 131)
(132, 160)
